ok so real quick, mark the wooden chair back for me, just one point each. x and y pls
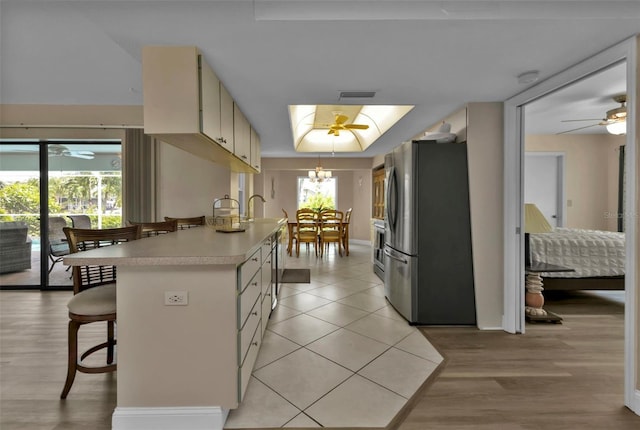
(330, 230)
(345, 230)
(184, 223)
(307, 229)
(332, 213)
(155, 228)
(85, 277)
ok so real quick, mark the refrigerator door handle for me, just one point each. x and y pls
(402, 260)
(392, 198)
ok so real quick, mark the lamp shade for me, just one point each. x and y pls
(534, 220)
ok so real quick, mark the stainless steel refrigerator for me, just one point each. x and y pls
(428, 274)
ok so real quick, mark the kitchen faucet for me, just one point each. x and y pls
(249, 203)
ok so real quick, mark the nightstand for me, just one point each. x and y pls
(534, 300)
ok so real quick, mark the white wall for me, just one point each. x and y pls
(188, 185)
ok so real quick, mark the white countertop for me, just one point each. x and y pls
(194, 246)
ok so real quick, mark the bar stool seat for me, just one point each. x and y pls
(95, 301)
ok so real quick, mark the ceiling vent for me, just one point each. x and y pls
(357, 94)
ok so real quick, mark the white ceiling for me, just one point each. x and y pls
(436, 55)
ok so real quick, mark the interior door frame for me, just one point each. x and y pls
(513, 316)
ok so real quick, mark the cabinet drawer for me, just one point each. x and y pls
(246, 333)
(266, 248)
(248, 298)
(248, 269)
(244, 373)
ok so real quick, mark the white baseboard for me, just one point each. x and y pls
(178, 418)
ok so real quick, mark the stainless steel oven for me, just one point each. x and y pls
(378, 248)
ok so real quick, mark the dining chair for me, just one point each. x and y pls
(307, 229)
(94, 298)
(80, 221)
(345, 231)
(156, 228)
(330, 230)
(58, 246)
(291, 230)
(185, 223)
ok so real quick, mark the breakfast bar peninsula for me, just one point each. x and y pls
(192, 307)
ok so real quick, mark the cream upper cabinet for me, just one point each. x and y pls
(255, 150)
(210, 102)
(186, 105)
(226, 118)
(241, 135)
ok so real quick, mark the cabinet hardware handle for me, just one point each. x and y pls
(254, 259)
(254, 313)
(255, 284)
(244, 156)
(254, 343)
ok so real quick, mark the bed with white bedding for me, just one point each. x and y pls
(598, 258)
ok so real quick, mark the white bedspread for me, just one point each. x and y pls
(592, 253)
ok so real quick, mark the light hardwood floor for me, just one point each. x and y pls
(567, 376)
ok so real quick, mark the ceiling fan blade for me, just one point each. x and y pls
(83, 156)
(357, 126)
(579, 128)
(575, 120)
(331, 131)
(340, 119)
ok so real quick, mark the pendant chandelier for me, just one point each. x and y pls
(319, 174)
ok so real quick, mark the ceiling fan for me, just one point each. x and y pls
(613, 116)
(58, 150)
(339, 123)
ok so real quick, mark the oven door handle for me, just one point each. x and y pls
(390, 255)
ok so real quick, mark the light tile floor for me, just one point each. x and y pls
(335, 353)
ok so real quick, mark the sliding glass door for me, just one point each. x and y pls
(81, 183)
(20, 213)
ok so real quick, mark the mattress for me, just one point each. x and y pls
(591, 253)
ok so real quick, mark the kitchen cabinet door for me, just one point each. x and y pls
(226, 119)
(210, 102)
(255, 150)
(241, 135)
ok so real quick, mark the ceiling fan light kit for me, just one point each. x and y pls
(615, 120)
(617, 128)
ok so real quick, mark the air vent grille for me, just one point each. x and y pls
(357, 94)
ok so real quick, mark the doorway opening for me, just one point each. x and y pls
(624, 54)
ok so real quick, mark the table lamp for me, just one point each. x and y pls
(534, 222)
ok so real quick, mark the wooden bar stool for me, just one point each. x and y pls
(94, 298)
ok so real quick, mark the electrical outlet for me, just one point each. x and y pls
(176, 298)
